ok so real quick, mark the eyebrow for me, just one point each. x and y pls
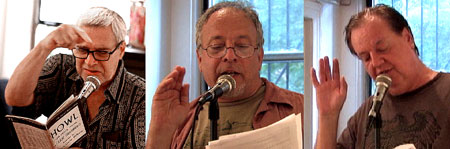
(95, 49)
(221, 38)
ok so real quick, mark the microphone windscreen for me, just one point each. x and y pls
(94, 80)
(382, 78)
(229, 79)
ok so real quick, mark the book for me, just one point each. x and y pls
(284, 134)
(64, 127)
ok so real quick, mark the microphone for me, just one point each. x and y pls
(224, 84)
(382, 83)
(91, 84)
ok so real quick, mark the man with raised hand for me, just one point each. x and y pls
(416, 108)
(229, 40)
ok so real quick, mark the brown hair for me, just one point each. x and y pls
(395, 20)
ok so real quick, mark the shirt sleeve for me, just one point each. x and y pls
(353, 135)
(45, 93)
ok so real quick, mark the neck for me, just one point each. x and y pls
(247, 92)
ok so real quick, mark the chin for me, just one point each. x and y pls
(235, 93)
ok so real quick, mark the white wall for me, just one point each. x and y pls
(16, 29)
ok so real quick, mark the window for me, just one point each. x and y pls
(429, 21)
(282, 22)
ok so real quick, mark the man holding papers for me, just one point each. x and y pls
(415, 109)
(115, 111)
(229, 41)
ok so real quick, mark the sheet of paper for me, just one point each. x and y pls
(284, 134)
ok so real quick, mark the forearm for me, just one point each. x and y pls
(327, 133)
(21, 85)
(159, 136)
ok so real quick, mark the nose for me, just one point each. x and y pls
(90, 60)
(230, 55)
(377, 60)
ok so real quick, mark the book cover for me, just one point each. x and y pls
(63, 128)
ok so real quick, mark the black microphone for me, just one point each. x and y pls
(224, 84)
(382, 83)
(91, 84)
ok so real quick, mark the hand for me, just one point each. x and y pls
(65, 36)
(170, 109)
(331, 91)
(170, 105)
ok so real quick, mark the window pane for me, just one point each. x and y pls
(285, 74)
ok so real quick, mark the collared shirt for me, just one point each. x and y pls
(120, 122)
(276, 104)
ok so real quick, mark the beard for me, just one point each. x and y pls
(236, 92)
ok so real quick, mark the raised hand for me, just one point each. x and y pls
(170, 109)
(331, 91)
(65, 36)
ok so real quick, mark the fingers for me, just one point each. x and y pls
(343, 87)
(327, 68)
(185, 94)
(67, 36)
(314, 80)
(180, 77)
(322, 76)
(173, 80)
(82, 34)
(336, 73)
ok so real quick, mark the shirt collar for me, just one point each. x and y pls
(271, 96)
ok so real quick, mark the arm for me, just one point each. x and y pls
(170, 108)
(21, 85)
(331, 92)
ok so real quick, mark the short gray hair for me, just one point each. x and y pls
(247, 8)
(104, 17)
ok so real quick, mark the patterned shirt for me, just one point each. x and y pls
(120, 122)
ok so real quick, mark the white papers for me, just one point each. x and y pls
(406, 146)
(284, 134)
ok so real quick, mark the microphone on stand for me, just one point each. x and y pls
(224, 84)
(91, 84)
(382, 83)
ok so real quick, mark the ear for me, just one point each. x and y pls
(122, 49)
(407, 35)
(260, 57)
(199, 59)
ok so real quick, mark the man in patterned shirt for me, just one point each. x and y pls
(115, 111)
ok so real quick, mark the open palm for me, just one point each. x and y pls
(170, 105)
(331, 91)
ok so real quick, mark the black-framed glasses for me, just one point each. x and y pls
(102, 55)
(218, 51)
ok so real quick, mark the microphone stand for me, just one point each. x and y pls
(377, 130)
(213, 117)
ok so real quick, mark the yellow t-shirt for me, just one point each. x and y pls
(234, 117)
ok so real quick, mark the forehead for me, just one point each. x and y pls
(102, 37)
(371, 33)
(228, 23)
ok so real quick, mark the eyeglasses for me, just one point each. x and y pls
(218, 51)
(83, 53)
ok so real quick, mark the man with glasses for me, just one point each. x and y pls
(229, 40)
(115, 111)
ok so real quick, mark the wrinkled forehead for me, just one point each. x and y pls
(228, 23)
(370, 33)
